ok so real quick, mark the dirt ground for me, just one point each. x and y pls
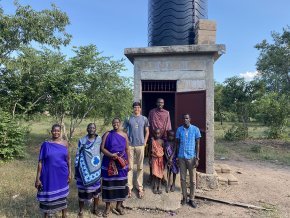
(261, 184)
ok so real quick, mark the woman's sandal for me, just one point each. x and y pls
(120, 211)
(97, 213)
(106, 213)
(80, 215)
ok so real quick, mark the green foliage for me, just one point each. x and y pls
(218, 106)
(273, 109)
(12, 137)
(25, 83)
(90, 85)
(27, 25)
(236, 132)
(256, 148)
(237, 96)
(23, 69)
(273, 63)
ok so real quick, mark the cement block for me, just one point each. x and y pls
(206, 25)
(218, 168)
(205, 39)
(206, 181)
(205, 33)
(232, 180)
(225, 168)
(222, 180)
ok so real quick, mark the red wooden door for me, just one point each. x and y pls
(193, 103)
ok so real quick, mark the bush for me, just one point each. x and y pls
(236, 132)
(256, 149)
(12, 137)
(273, 109)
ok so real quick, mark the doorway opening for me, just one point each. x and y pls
(154, 89)
(149, 102)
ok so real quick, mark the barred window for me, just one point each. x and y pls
(158, 85)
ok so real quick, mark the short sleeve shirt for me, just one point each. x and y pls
(187, 137)
(135, 127)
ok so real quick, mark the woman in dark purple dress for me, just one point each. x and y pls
(115, 167)
(53, 174)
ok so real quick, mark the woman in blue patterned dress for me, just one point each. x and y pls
(88, 169)
(53, 174)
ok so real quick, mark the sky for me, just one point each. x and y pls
(113, 25)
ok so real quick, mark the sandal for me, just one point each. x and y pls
(167, 189)
(159, 192)
(192, 203)
(120, 211)
(172, 188)
(140, 194)
(80, 214)
(106, 213)
(97, 212)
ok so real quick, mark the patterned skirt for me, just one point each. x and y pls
(86, 193)
(114, 188)
(53, 201)
(51, 207)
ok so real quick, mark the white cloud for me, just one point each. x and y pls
(249, 75)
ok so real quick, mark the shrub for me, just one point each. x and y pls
(256, 149)
(236, 132)
(273, 110)
(12, 137)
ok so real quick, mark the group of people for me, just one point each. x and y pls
(104, 164)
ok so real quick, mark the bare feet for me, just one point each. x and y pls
(129, 193)
(140, 194)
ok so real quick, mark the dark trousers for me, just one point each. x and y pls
(187, 164)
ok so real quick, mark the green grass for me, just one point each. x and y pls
(257, 147)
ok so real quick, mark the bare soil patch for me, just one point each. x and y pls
(260, 183)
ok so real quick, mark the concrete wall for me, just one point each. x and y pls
(192, 73)
(192, 68)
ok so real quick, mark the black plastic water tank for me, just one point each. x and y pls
(172, 22)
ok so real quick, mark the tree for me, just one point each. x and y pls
(27, 25)
(22, 68)
(273, 63)
(238, 96)
(90, 85)
(273, 109)
(218, 106)
(24, 87)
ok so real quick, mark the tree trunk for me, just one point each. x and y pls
(64, 133)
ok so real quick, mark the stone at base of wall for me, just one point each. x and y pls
(206, 181)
